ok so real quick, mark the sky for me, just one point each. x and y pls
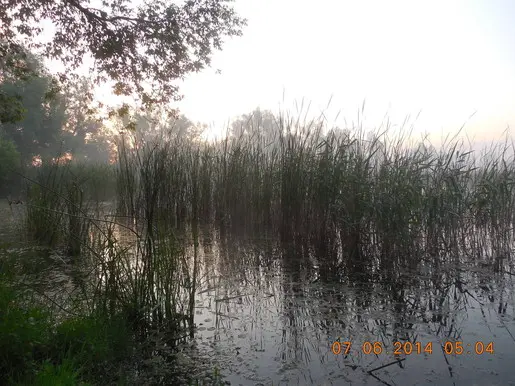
(438, 64)
(442, 61)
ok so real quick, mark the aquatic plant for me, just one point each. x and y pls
(379, 196)
(58, 203)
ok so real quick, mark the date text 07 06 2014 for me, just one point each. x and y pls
(408, 348)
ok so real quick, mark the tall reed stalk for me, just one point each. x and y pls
(369, 201)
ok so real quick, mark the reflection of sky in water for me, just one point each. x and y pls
(276, 324)
(266, 318)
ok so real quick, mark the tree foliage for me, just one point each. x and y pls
(50, 123)
(144, 49)
(17, 67)
(37, 129)
(260, 123)
(11, 108)
(83, 136)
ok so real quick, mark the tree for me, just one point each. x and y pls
(82, 136)
(37, 127)
(17, 66)
(182, 127)
(144, 49)
(11, 108)
(262, 124)
(157, 125)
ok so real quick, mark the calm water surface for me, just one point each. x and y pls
(268, 314)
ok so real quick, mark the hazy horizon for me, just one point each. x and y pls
(447, 64)
(442, 60)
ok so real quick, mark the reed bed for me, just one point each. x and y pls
(59, 198)
(360, 203)
(363, 203)
(380, 200)
(131, 265)
(155, 283)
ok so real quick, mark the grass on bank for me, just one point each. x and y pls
(35, 349)
(89, 349)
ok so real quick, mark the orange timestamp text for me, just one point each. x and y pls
(408, 348)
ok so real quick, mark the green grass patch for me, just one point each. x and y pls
(33, 350)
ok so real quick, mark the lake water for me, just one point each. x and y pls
(269, 314)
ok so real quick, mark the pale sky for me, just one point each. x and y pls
(443, 58)
(446, 59)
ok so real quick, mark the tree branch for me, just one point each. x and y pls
(92, 13)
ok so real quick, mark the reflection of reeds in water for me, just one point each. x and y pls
(293, 311)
